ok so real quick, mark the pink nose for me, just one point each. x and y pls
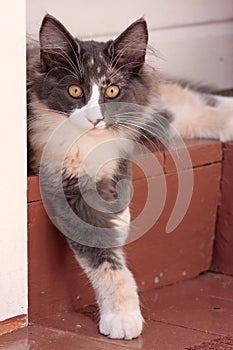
(92, 120)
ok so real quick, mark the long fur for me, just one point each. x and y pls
(82, 158)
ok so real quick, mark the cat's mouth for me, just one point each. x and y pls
(87, 123)
(98, 123)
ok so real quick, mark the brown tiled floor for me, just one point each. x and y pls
(176, 316)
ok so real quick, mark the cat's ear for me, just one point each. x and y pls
(129, 49)
(56, 43)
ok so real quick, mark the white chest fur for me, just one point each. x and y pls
(95, 153)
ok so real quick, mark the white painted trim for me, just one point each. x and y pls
(202, 53)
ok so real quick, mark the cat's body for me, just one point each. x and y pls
(71, 89)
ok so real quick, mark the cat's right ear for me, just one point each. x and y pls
(129, 49)
(56, 44)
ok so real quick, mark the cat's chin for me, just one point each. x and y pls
(90, 130)
(96, 130)
(99, 131)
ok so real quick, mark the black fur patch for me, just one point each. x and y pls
(97, 256)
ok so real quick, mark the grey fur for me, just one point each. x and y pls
(205, 91)
(210, 100)
(97, 256)
(61, 61)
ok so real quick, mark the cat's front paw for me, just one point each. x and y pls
(122, 325)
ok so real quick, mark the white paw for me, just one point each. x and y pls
(126, 325)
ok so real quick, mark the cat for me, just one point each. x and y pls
(84, 99)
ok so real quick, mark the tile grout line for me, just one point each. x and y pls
(184, 327)
(105, 340)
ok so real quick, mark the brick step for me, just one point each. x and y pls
(57, 283)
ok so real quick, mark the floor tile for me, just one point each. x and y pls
(162, 336)
(84, 323)
(205, 304)
(177, 316)
(42, 338)
(156, 336)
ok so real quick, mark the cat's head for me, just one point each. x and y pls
(80, 78)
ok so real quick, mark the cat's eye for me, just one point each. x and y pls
(112, 91)
(75, 91)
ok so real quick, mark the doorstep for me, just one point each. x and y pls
(56, 282)
(176, 317)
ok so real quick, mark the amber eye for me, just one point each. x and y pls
(75, 91)
(112, 91)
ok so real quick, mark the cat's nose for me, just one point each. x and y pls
(95, 121)
(92, 120)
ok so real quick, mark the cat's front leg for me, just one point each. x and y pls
(120, 315)
(115, 289)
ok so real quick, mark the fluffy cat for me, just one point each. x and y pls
(88, 92)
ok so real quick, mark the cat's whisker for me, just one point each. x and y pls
(139, 133)
(157, 122)
(76, 57)
(158, 119)
(116, 71)
(115, 59)
(76, 76)
(59, 51)
(46, 117)
(72, 48)
(155, 131)
(52, 110)
(127, 47)
(57, 68)
(149, 52)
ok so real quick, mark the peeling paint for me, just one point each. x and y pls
(156, 280)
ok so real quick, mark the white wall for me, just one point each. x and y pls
(194, 38)
(13, 225)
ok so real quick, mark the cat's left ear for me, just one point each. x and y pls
(57, 46)
(129, 49)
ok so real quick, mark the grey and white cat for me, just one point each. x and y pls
(79, 83)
